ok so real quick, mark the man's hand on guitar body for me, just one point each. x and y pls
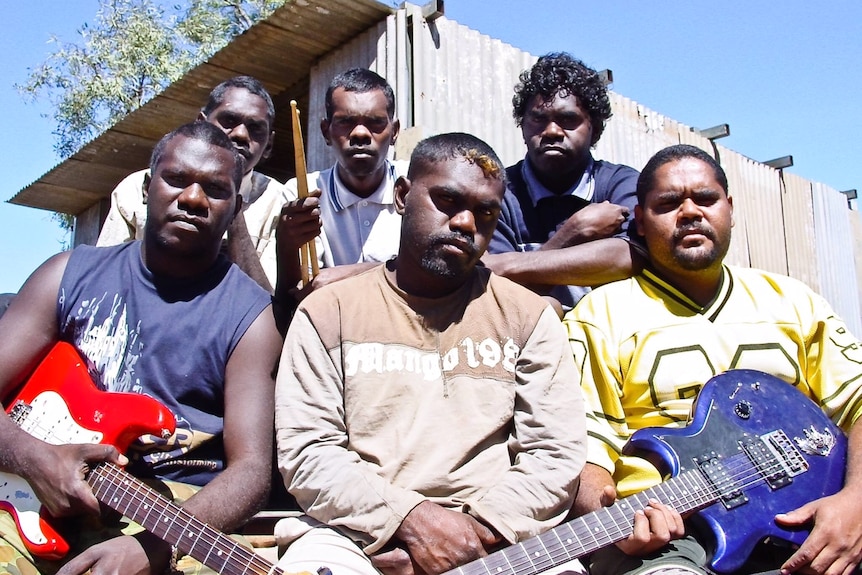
(439, 539)
(834, 546)
(57, 474)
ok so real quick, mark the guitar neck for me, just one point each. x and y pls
(170, 522)
(688, 491)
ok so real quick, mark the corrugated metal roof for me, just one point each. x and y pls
(278, 51)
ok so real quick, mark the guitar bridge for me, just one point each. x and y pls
(725, 485)
(775, 457)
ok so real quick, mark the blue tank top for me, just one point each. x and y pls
(166, 338)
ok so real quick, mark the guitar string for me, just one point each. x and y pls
(49, 435)
(741, 474)
(216, 539)
(738, 483)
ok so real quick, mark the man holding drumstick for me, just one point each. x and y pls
(351, 209)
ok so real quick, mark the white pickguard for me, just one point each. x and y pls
(49, 419)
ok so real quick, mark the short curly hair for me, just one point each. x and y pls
(561, 74)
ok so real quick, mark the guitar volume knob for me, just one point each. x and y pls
(742, 409)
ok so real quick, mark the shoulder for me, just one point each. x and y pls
(291, 187)
(352, 288)
(514, 176)
(511, 297)
(132, 184)
(267, 183)
(604, 303)
(610, 170)
(102, 255)
(760, 282)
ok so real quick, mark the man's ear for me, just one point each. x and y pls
(145, 187)
(324, 129)
(396, 129)
(268, 149)
(639, 216)
(730, 201)
(238, 201)
(201, 116)
(402, 187)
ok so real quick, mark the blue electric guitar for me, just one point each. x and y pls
(755, 447)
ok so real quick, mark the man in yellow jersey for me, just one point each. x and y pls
(647, 344)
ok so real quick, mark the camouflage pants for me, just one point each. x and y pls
(85, 532)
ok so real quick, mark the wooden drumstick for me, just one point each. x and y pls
(308, 252)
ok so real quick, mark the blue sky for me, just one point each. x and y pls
(786, 76)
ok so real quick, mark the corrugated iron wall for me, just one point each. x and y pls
(448, 77)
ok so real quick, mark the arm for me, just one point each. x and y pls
(241, 251)
(593, 222)
(127, 205)
(330, 482)
(28, 330)
(589, 264)
(835, 542)
(654, 527)
(833, 372)
(548, 444)
(298, 223)
(246, 479)
(248, 431)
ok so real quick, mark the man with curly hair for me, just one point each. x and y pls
(565, 218)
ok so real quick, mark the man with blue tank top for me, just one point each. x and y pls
(167, 317)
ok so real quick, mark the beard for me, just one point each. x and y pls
(700, 257)
(448, 265)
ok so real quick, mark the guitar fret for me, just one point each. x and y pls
(521, 566)
(537, 552)
(584, 531)
(555, 552)
(562, 544)
(613, 513)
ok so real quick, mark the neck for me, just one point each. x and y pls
(419, 283)
(164, 262)
(362, 185)
(560, 182)
(701, 286)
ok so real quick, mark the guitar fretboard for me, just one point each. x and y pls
(688, 491)
(137, 501)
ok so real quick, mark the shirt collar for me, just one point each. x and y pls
(343, 198)
(711, 309)
(583, 188)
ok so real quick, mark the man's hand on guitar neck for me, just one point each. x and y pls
(436, 539)
(57, 473)
(654, 527)
(142, 554)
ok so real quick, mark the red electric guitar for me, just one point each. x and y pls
(60, 405)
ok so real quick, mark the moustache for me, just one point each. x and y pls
(697, 228)
(463, 241)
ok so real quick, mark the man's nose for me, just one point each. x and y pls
(239, 133)
(360, 133)
(553, 130)
(464, 222)
(193, 198)
(690, 209)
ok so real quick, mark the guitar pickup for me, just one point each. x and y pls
(725, 486)
(19, 412)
